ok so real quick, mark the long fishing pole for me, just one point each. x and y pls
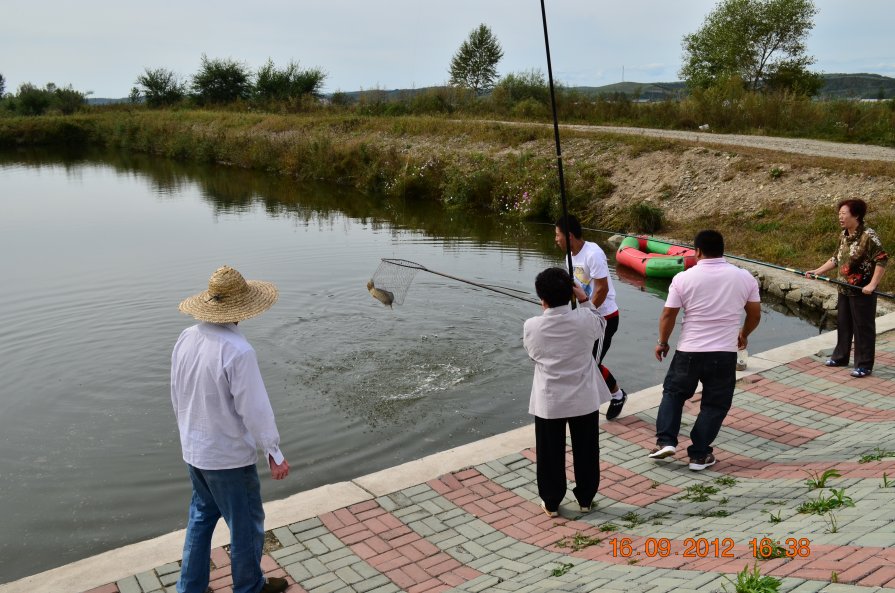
(562, 184)
(752, 261)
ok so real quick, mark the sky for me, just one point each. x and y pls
(102, 46)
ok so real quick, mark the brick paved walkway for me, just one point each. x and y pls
(658, 526)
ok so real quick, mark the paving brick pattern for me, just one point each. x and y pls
(657, 527)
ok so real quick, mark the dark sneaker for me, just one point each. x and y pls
(662, 451)
(861, 372)
(274, 585)
(615, 406)
(832, 363)
(699, 464)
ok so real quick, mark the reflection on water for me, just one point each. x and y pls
(106, 246)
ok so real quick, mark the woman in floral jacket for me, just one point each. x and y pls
(861, 261)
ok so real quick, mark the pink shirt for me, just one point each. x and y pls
(712, 294)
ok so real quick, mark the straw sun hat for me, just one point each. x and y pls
(230, 298)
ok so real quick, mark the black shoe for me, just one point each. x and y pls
(274, 585)
(832, 363)
(860, 372)
(615, 406)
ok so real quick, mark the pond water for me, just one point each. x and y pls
(99, 249)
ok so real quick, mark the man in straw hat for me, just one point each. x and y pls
(224, 416)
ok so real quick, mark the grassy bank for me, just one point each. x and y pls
(499, 170)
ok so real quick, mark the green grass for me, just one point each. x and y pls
(877, 455)
(823, 504)
(632, 519)
(562, 569)
(820, 480)
(699, 493)
(754, 582)
(577, 542)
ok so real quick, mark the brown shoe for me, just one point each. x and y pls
(662, 451)
(274, 585)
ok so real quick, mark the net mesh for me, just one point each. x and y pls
(395, 276)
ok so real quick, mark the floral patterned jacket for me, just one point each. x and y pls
(857, 257)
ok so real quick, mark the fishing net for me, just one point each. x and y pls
(395, 276)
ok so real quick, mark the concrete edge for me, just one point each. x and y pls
(146, 555)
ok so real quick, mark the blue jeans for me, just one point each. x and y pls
(717, 373)
(235, 495)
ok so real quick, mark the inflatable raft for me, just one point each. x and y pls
(654, 259)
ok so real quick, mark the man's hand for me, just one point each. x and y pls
(868, 289)
(661, 351)
(278, 471)
(742, 342)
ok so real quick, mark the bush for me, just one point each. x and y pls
(522, 86)
(159, 87)
(645, 218)
(221, 81)
(289, 83)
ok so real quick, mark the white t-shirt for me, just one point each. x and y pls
(589, 265)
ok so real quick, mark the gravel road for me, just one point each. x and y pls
(839, 150)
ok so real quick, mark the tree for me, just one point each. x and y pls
(31, 100)
(159, 86)
(272, 84)
(474, 66)
(67, 100)
(2, 85)
(221, 81)
(760, 41)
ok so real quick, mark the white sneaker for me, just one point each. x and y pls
(662, 452)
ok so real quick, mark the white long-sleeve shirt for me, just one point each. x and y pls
(222, 408)
(566, 380)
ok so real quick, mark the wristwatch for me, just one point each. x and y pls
(662, 344)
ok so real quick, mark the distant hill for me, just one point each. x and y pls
(836, 86)
(858, 86)
(105, 101)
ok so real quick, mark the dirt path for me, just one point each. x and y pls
(821, 148)
(839, 150)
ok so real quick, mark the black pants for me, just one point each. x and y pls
(717, 373)
(856, 318)
(611, 328)
(550, 440)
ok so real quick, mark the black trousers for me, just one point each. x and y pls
(611, 328)
(717, 373)
(856, 318)
(550, 440)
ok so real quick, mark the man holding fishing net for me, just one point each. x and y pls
(592, 273)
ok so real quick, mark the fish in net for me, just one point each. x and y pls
(391, 280)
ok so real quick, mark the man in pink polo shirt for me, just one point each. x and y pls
(713, 295)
